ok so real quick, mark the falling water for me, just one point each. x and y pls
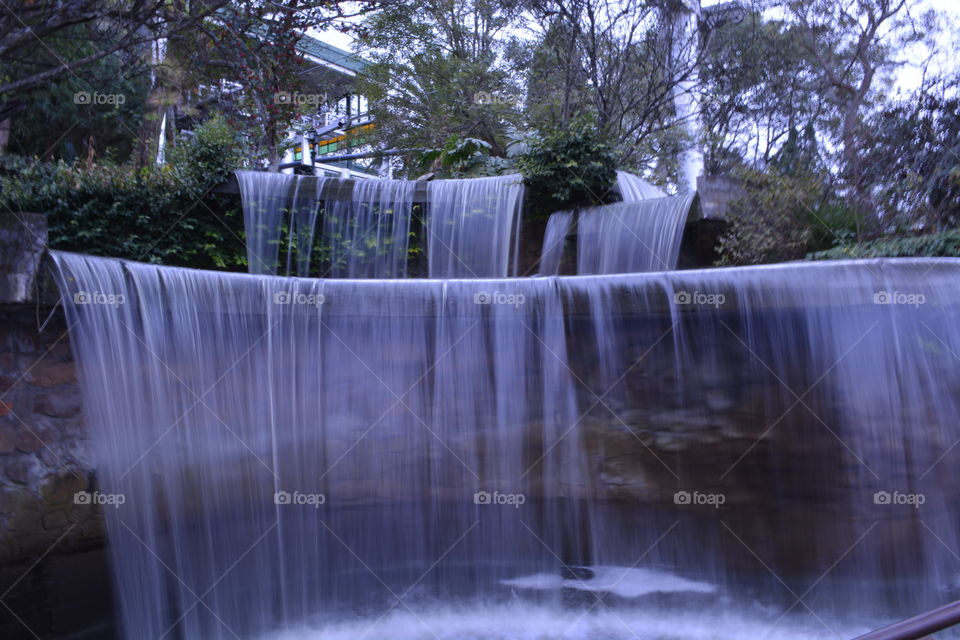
(483, 458)
(633, 188)
(263, 196)
(369, 235)
(472, 226)
(559, 226)
(632, 237)
(628, 237)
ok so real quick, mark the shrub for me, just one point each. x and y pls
(783, 217)
(163, 214)
(568, 168)
(945, 244)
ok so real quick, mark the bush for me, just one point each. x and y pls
(462, 158)
(784, 217)
(935, 245)
(162, 214)
(568, 168)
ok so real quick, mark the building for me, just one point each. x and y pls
(341, 121)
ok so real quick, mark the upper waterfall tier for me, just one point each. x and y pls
(628, 237)
(468, 228)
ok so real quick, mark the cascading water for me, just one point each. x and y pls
(263, 196)
(633, 188)
(628, 237)
(472, 226)
(558, 228)
(632, 237)
(733, 453)
(369, 235)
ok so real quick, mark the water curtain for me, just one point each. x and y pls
(408, 457)
(362, 228)
(628, 237)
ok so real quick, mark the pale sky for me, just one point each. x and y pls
(907, 78)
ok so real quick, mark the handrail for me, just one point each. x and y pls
(918, 626)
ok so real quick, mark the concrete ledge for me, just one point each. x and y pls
(23, 239)
(716, 194)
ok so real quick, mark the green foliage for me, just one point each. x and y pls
(912, 159)
(465, 158)
(163, 215)
(441, 68)
(73, 117)
(568, 168)
(209, 156)
(783, 216)
(935, 245)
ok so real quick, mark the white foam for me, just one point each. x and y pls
(524, 621)
(626, 582)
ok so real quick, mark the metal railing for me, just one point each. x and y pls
(918, 626)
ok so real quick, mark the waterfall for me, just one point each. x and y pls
(471, 230)
(447, 459)
(632, 237)
(628, 237)
(369, 235)
(474, 226)
(633, 188)
(554, 242)
(263, 196)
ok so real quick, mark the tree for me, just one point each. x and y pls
(178, 47)
(87, 118)
(852, 43)
(443, 68)
(619, 62)
(759, 87)
(911, 158)
(246, 61)
(112, 26)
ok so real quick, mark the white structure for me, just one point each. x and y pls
(683, 16)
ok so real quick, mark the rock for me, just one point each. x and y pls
(719, 400)
(31, 438)
(48, 373)
(22, 469)
(55, 521)
(59, 489)
(670, 442)
(17, 500)
(7, 383)
(65, 404)
(8, 441)
(23, 238)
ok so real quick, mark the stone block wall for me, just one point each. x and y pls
(44, 446)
